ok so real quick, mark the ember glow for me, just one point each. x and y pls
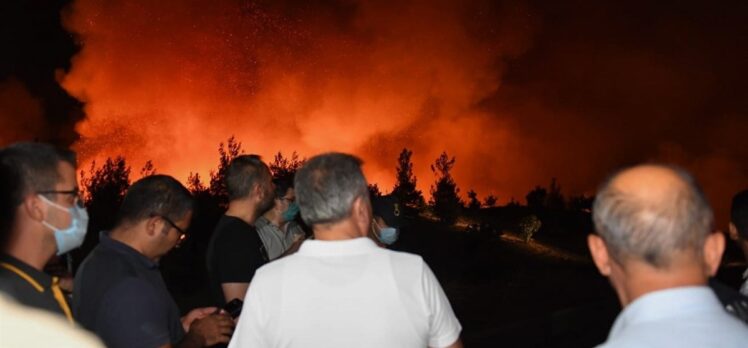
(168, 83)
(518, 97)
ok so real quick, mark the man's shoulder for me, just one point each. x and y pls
(232, 226)
(402, 257)
(103, 261)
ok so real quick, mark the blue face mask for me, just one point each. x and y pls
(386, 235)
(71, 237)
(291, 212)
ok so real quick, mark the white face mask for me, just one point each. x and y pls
(71, 237)
(386, 235)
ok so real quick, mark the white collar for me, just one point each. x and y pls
(356, 246)
(666, 303)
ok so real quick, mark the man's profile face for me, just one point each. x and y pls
(269, 192)
(67, 183)
(172, 236)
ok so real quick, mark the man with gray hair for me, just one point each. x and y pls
(341, 290)
(656, 245)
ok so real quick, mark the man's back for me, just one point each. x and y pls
(119, 295)
(679, 317)
(346, 294)
(234, 253)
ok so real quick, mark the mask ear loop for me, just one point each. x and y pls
(374, 230)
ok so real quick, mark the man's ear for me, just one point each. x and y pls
(599, 252)
(733, 232)
(32, 205)
(362, 214)
(714, 246)
(152, 224)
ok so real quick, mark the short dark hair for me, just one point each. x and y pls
(651, 233)
(243, 173)
(739, 213)
(153, 195)
(327, 185)
(281, 187)
(36, 167)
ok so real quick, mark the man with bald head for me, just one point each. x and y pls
(656, 244)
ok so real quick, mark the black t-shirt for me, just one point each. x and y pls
(120, 295)
(33, 292)
(234, 254)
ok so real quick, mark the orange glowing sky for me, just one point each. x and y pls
(168, 83)
(518, 91)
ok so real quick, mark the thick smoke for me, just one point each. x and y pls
(518, 92)
(20, 113)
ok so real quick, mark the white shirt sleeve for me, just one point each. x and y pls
(249, 330)
(444, 328)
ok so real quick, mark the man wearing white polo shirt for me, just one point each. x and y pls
(341, 289)
(656, 244)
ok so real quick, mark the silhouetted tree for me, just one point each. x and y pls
(473, 202)
(445, 199)
(490, 201)
(374, 191)
(581, 203)
(104, 188)
(148, 169)
(537, 197)
(195, 184)
(555, 200)
(285, 168)
(217, 178)
(512, 203)
(405, 185)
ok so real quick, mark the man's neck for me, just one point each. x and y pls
(31, 248)
(341, 230)
(275, 218)
(130, 237)
(641, 282)
(244, 210)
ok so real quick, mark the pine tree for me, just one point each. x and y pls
(217, 186)
(285, 168)
(473, 202)
(405, 186)
(445, 198)
(490, 201)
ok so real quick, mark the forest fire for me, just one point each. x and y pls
(476, 79)
(168, 84)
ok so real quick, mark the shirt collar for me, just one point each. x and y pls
(125, 250)
(44, 279)
(356, 246)
(665, 304)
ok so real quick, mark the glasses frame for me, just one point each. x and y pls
(182, 233)
(76, 193)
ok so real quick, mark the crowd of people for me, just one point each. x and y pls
(274, 285)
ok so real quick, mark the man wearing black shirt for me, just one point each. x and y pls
(46, 218)
(119, 293)
(236, 251)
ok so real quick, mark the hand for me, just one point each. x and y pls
(213, 329)
(197, 313)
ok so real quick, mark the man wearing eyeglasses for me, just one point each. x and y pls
(119, 293)
(48, 219)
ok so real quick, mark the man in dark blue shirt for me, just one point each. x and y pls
(119, 293)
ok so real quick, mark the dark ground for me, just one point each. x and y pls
(505, 292)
